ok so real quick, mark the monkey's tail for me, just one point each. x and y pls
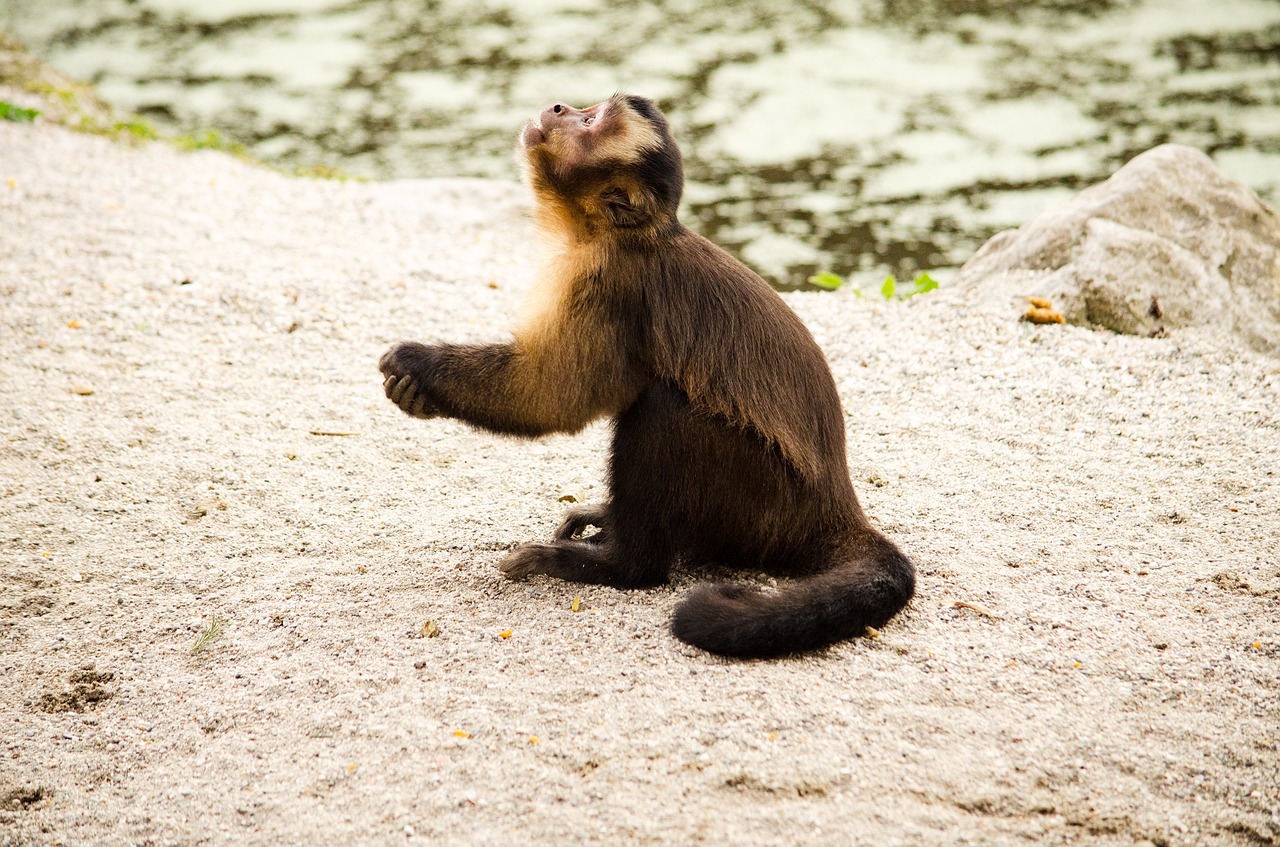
(812, 612)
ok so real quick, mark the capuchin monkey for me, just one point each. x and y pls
(728, 434)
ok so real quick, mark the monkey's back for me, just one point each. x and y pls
(719, 332)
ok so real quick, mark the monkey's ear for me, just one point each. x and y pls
(618, 208)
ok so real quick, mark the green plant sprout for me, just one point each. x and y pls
(211, 140)
(135, 129)
(889, 289)
(17, 114)
(829, 281)
(216, 627)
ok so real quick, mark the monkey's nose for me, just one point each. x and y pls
(559, 115)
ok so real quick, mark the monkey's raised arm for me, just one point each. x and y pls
(556, 380)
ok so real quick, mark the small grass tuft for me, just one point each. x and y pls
(211, 140)
(141, 130)
(828, 281)
(211, 634)
(324, 172)
(17, 114)
(889, 289)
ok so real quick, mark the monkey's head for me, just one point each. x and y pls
(610, 168)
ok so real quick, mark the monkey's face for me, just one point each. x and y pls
(615, 160)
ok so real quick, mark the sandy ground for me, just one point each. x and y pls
(1093, 656)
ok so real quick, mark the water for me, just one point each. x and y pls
(864, 137)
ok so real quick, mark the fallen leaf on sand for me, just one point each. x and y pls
(1043, 316)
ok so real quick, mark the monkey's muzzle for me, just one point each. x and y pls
(560, 116)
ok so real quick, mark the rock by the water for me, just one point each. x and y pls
(1166, 242)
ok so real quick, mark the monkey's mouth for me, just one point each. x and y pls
(533, 134)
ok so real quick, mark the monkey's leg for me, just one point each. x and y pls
(577, 520)
(650, 493)
(717, 492)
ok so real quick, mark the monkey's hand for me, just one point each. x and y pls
(404, 367)
(576, 522)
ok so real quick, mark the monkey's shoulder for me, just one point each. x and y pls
(698, 286)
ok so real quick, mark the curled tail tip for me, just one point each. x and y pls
(724, 618)
(708, 609)
(739, 620)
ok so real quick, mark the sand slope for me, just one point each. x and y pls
(1092, 658)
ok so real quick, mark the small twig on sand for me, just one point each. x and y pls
(982, 610)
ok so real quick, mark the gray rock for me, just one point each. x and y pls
(1167, 242)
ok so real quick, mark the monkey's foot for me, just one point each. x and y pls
(526, 560)
(577, 520)
(579, 561)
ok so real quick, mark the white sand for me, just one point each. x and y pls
(1108, 505)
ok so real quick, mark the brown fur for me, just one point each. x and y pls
(728, 432)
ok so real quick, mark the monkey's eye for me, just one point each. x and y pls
(588, 120)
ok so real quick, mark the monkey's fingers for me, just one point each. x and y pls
(406, 391)
(403, 391)
(577, 520)
(393, 386)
